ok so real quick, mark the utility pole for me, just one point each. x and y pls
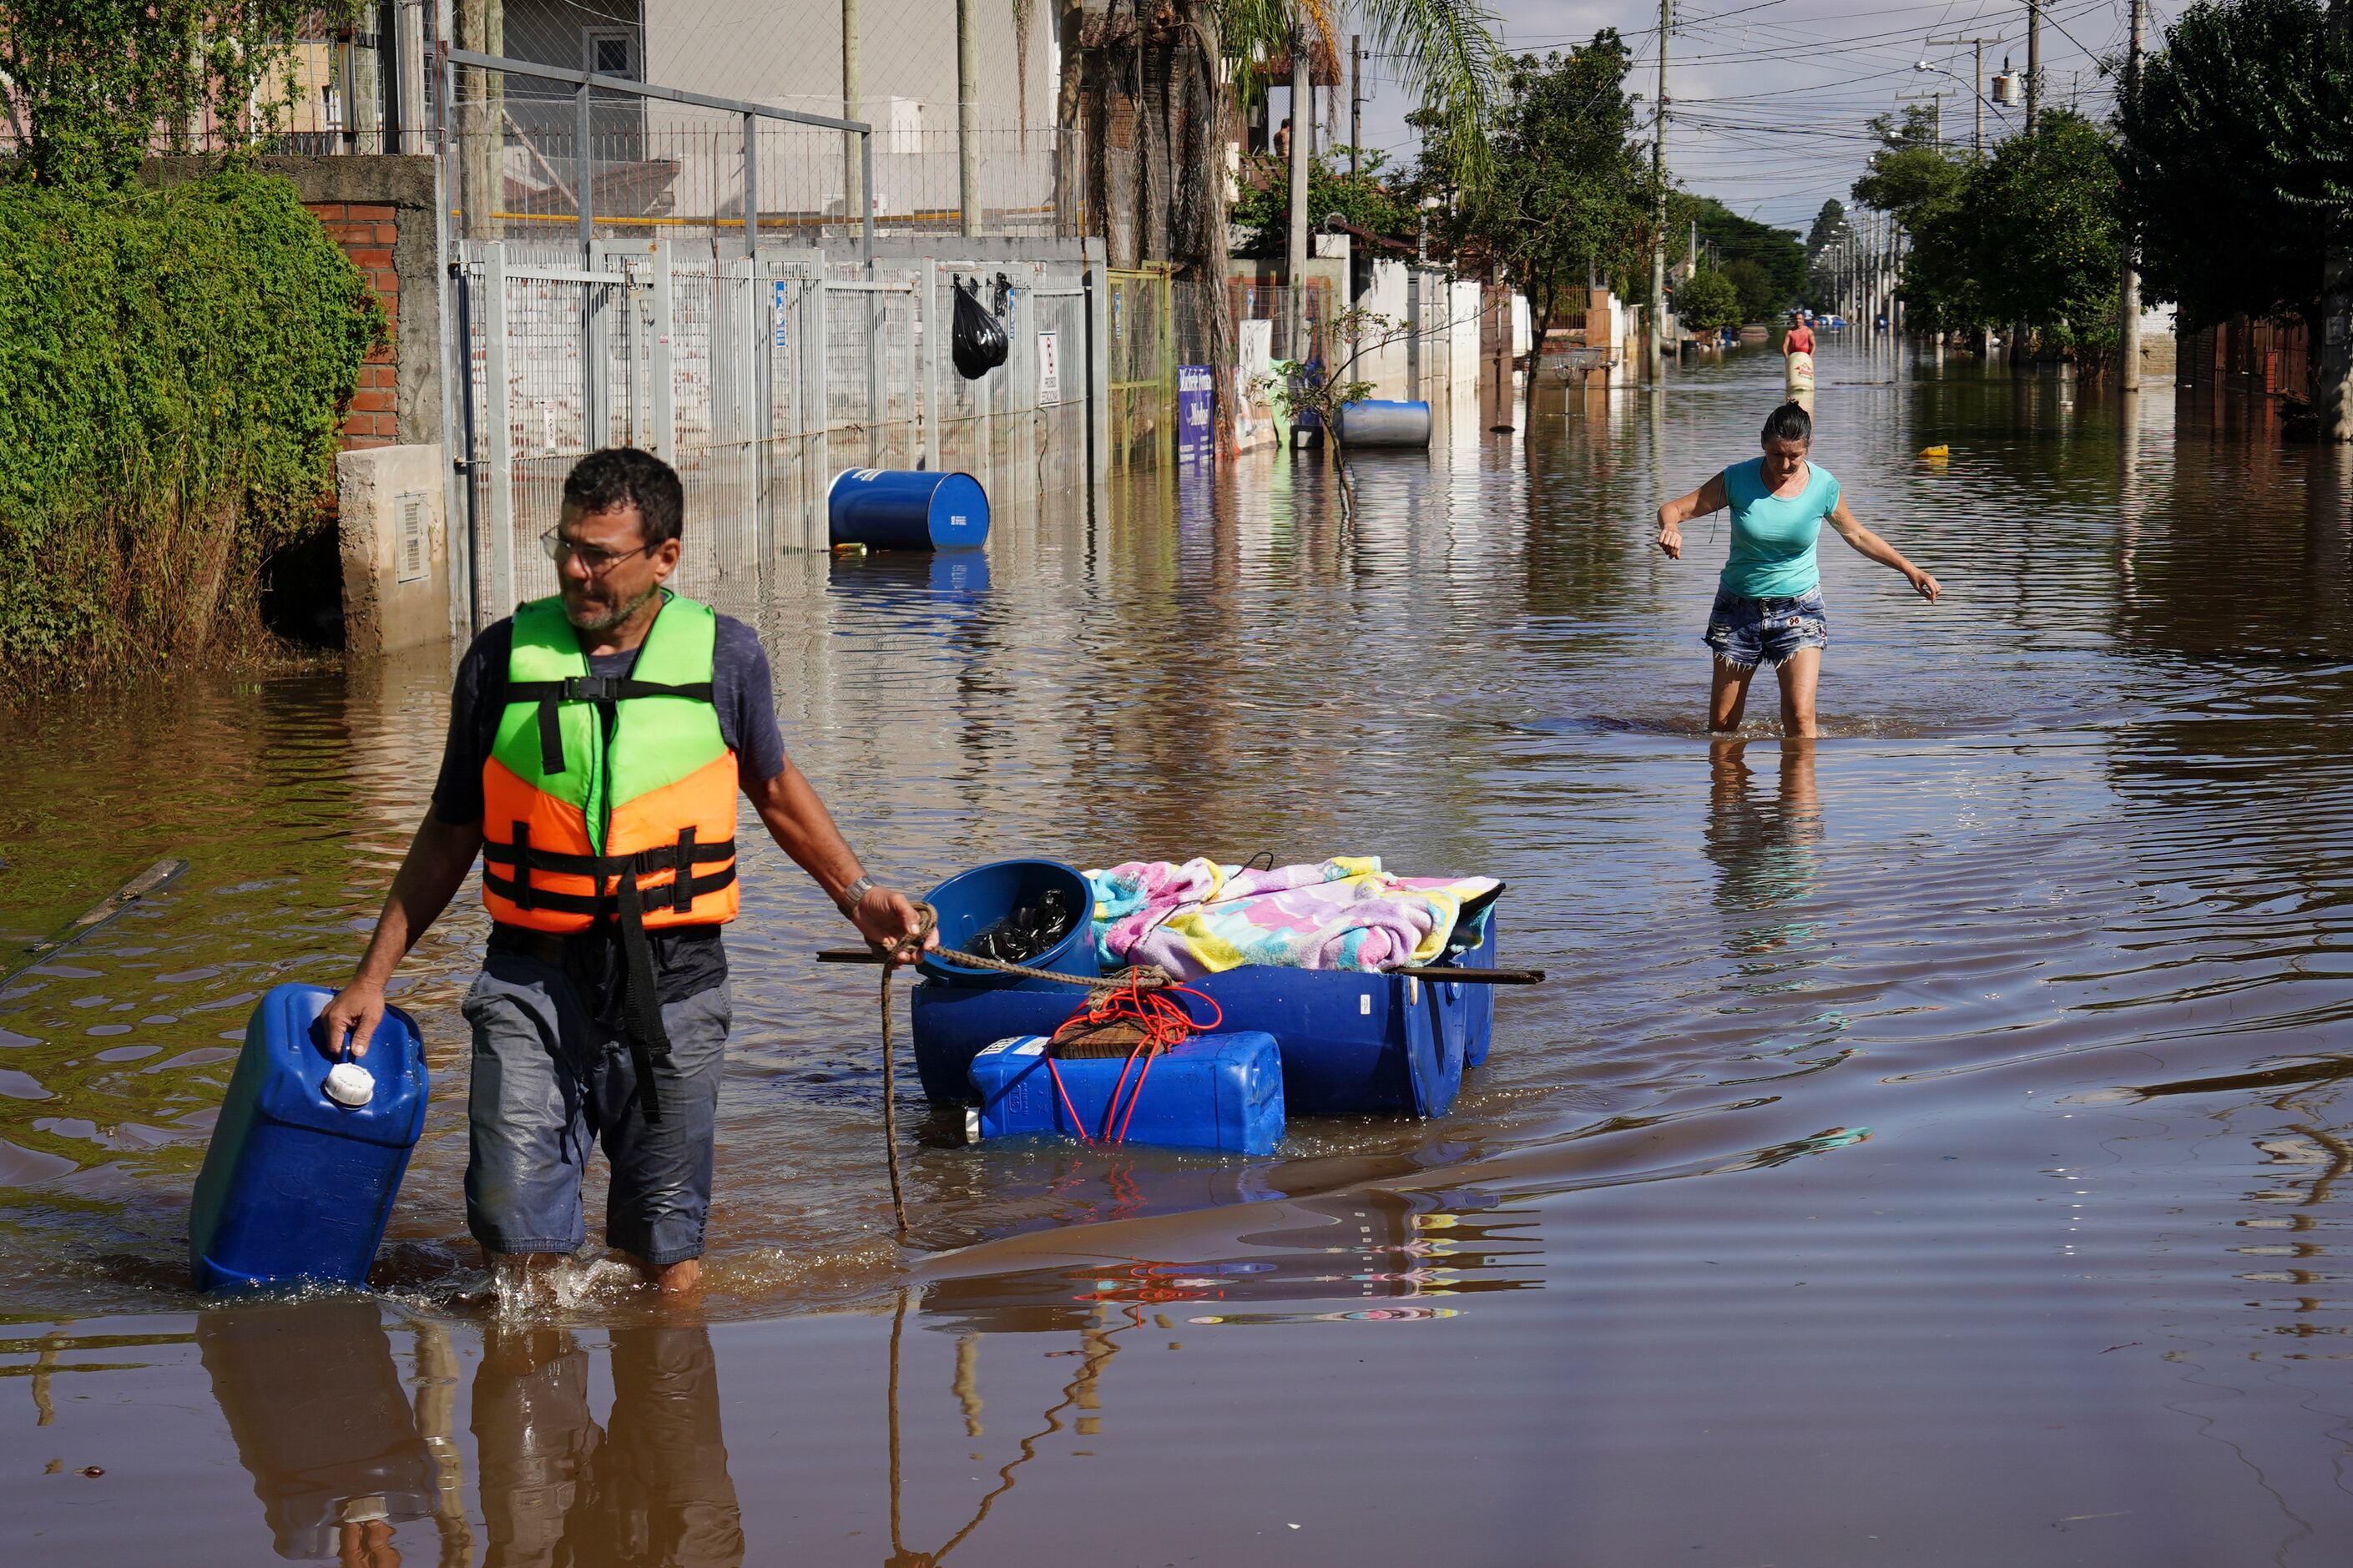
(1659, 217)
(1935, 100)
(1355, 98)
(853, 191)
(2033, 62)
(1977, 89)
(2129, 292)
(967, 132)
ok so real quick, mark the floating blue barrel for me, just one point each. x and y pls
(1371, 422)
(907, 509)
(1352, 1043)
(1212, 1091)
(972, 901)
(295, 1185)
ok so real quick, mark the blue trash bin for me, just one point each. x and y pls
(971, 902)
(901, 508)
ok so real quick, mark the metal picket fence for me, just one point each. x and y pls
(758, 378)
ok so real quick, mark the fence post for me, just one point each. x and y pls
(1098, 375)
(498, 444)
(878, 407)
(662, 440)
(933, 326)
(765, 318)
(751, 184)
(815, 352)
(583, 172)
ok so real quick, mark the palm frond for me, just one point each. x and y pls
(1450, 55)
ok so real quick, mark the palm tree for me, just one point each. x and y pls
(1153, 88)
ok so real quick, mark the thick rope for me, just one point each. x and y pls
(909, 947)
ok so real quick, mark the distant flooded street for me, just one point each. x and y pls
(1933, 1146)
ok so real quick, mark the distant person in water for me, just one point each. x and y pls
(1768, 603)
(1800, 339)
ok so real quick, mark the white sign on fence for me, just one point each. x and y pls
(1049, 369)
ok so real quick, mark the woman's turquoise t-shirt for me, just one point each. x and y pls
(1773, 536)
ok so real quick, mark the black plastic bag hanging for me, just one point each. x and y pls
(979, 342)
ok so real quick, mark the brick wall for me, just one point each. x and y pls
(368, 232)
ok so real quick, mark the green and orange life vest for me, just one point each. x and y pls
(610, 797)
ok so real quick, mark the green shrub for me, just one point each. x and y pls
(174, 367)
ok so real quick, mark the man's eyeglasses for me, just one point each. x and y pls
(593, 560)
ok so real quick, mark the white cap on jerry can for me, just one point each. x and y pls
(350, 1084)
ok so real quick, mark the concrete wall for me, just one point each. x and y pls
(395, 574)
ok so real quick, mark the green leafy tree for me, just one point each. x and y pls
(92, 86)
(1828, 224)
(1708, 301)
(2035, 236)
(1775, 252)
(2238, 160)
(1569, 191)
(1760, 296)
(1262, 208)
(1910, 175)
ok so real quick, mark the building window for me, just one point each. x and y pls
(612, 52)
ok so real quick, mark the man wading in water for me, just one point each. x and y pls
(597, 742)
(1768, 603)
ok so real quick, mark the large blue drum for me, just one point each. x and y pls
(902, 509)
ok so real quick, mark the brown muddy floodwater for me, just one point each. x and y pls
(1934, 1149)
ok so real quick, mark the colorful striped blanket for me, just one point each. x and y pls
(1200, 918)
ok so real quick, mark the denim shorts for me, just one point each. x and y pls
(549, 1081)
(1744, 632)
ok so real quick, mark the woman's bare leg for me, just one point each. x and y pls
(1728, 696)
(1798, 672)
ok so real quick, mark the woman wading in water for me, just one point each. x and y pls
(1769, 604)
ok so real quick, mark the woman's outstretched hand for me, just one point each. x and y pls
(1670, 539)
(1927, 587)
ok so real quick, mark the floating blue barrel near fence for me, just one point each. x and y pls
(1212, 1091)
(971, 902)
(298, 1184)
(1371, 422)
(905, 508)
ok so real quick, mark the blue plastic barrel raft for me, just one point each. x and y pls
(298, 1180)
(902, 508)
(1371, 422)
(1212, 1091)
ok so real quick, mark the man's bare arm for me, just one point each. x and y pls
(430, 874)
(798, 820)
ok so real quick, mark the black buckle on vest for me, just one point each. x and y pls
(682, 887)
(522, 900)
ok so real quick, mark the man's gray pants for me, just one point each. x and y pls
(549, 1082)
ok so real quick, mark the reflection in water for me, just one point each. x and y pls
(315, 1407)
(650, 1487)
(1767, 853)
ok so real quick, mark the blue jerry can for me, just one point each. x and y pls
(1212, 1091)
(295, 1186)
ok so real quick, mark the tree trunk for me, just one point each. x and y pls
(481, 120)
(1540, 312)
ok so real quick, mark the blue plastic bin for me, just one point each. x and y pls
(971, 902)
(294, 1186)
(904, 509)
(1213, 1092)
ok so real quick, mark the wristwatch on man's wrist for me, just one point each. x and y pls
(855, 894)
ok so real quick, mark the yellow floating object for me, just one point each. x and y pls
(1935, 451)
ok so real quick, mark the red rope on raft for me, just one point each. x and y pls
(1164, 1022)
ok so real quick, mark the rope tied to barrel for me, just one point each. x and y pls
(1136, 981)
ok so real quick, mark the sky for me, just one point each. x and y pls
(1767, 101)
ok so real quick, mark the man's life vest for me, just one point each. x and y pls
(610, 797)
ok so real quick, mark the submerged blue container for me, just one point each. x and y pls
(295, 1187)
(1213, 1092)
(905, 508)
(1352, 1043)
(971, 902)
(1375, 421)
